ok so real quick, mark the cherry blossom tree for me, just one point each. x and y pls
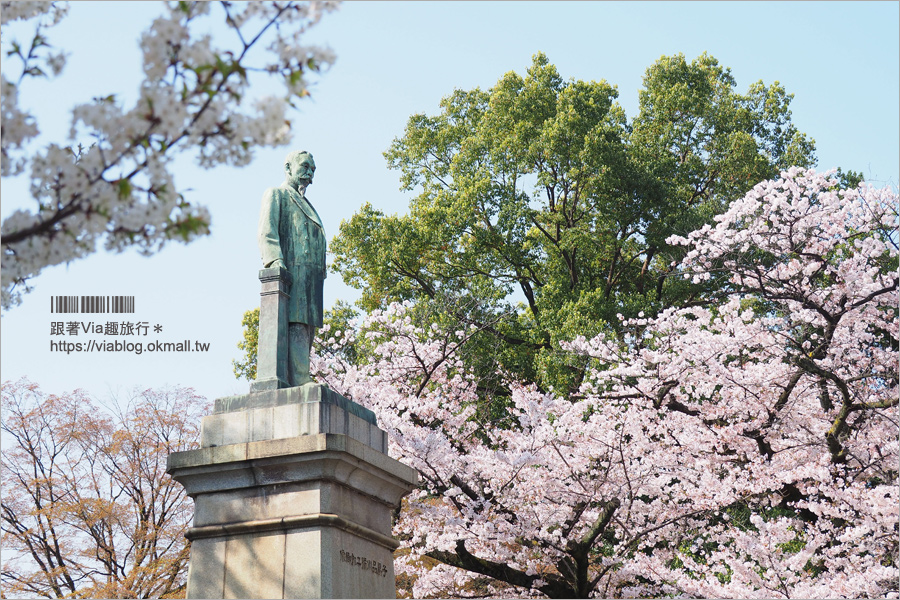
(111, 181)
(88, 509)
(745, 447)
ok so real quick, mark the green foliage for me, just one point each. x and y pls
(246, 367)
(339, 317)
(848, 179)
(541, 213)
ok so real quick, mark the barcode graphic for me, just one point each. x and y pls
(91, 304)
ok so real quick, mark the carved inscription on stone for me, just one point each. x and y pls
(366, 564)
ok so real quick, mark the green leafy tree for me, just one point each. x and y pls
(245, 367)
(542, 213)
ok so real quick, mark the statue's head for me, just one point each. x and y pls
(299, 168)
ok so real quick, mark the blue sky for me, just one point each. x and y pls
(839, 59)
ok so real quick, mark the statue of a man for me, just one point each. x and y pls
(291, 236)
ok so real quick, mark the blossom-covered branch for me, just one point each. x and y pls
(112, 180)
(743, 448)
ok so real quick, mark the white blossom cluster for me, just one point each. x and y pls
(20, 11)
(111, 181)
(19, 126)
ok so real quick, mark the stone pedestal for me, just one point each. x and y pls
(272, 345)
(293, 494)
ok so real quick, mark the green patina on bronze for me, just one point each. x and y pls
(291, 238)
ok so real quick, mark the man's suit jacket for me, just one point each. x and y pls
(290, 229)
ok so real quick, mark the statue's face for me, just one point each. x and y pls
(302, 170)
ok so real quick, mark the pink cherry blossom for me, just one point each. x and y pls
(747, 448)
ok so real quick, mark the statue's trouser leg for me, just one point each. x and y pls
(301, 337)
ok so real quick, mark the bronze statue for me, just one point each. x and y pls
(291, 236)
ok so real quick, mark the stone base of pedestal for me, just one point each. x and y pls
(293, 494)
(284, 413)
